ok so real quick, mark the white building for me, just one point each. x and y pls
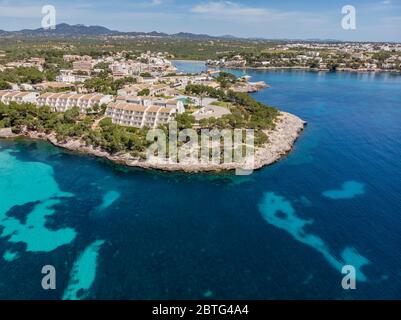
(62, 102)
(178, 104)
(135, 89)
(26, 87)
(139, 116)
(7, 96)
(67, 76)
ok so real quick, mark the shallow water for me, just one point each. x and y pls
(282, 233)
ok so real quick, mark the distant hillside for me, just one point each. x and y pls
(64, 30)
(77, 31)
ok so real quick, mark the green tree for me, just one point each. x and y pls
(225, 79)
(144, 92)
(4, 85)
(185, 121)
(71, 115)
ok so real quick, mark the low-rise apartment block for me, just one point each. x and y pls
(139, 116)
(176, 103)
(61, 102)
(68, 76)
(7, 96)
(135, 89)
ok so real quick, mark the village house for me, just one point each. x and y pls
(73, 57)
(68, 76)
(82, 66)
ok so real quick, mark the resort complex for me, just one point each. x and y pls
(18, 97)
(142, 92)
(61, 102)
(136, 115)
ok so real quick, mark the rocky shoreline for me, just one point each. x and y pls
(250, 87)
(303, 68)
(281, 141)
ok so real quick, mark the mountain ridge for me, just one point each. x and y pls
(80, 30)
(65, 30)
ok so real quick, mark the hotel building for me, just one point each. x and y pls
(61, 102)
(149, 101)
(139, 116)
(7, 96)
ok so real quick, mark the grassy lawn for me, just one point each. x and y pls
(227, 105)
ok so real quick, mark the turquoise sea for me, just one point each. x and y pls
(284, 232)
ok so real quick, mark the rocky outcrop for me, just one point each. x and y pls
(7, 133)
(281, 140)
(250, 87)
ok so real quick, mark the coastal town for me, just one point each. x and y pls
(145, 90)
(149, 91)
(342, 56)
(106, 105)
(108, 102)
(200, 158)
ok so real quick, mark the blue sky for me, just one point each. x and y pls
(377, 20)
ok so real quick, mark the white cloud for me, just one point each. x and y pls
(228, 8)
(260, 20)
(21, 11)
(238, 13)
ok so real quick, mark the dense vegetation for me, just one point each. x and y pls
(225, 79)
(71, 124)
(4, 85)
(21, 75)
(195, 49)
(114, 138)
(246, 112)
(144, 92)
(105, 84)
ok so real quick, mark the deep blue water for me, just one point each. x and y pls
(284, 232)
(190, 66)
